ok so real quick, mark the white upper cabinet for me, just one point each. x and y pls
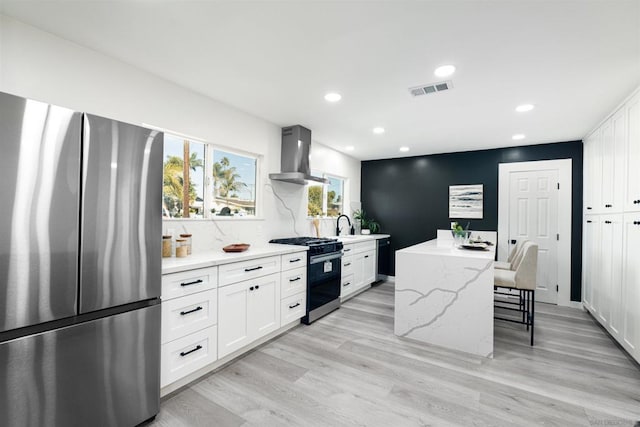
(632, 198)
(593, 172)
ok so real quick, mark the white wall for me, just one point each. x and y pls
(39, 65)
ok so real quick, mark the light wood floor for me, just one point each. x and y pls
(349, 369)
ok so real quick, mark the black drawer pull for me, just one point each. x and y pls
(347, 264)
(296, 279)
(294, 305)
(257, 286)
(195, 282)
(589, 221)
(607, 222)
(183, 313)
(184, 353)
(295, 260)
(636, 222)
(251, 288)
(347, 250)
(346, 284)
(366, 256)
(589, 207)
(253, 269)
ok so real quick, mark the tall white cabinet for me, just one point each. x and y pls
(611, 227)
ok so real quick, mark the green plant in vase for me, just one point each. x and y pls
(367, 225)
(460, 235)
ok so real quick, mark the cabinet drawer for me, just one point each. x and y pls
(347, 266)
(296, 260)
(293, 282)
(188, 354)
(239, 271)
(176, 285)
(348, 250)
(365, 246)
(293, 308)
(347, 285)
(182, 316)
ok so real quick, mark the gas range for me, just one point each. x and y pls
(324, 269)
(317, 245)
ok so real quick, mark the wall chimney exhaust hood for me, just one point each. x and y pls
(294, 158)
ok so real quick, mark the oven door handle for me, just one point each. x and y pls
(323, 258)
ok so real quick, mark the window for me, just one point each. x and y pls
(183, 162)
(219, 183)
(234, 184)
(326, 199)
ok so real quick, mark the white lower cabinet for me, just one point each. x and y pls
(630, 322)
(185, 355)
(247, 311)
(293, 308)
(359, 267)
(182, 316)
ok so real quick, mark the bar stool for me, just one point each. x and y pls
(523, 279)
(506, 265)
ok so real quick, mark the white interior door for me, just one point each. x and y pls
(533, 215)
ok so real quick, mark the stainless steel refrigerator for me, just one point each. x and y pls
(80, 268)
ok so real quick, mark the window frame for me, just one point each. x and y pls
(208, 188)
(325, 197)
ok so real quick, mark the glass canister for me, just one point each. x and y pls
(181, 248)
(187, 237)
(166, 246)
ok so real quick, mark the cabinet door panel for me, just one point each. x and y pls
(615, 252)
(233, 324)
(264, 306)
(607, 153)
(631, 286)
(358, 271)
(618, 144)
(589, 243)
(369, 267)
(633, 154)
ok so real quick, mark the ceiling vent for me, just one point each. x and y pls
(430, 88)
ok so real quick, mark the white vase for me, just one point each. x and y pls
(365, 231)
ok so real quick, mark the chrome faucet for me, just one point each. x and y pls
(338, 229)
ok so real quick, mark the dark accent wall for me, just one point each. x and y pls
(409, 196)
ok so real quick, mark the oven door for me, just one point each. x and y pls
(324, 279)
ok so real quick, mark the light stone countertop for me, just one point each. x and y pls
(446, 248)
(360, 238)
(213, 258)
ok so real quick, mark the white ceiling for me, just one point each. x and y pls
(575, 60)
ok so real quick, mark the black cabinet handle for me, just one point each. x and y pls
(251, 288)
(347, 264)
(347, 250)
(295, 279)
(589, 221)
(294, 305)
(366, 256)
(295, 260)
(636, 222)
(253, 269)
(607, 222)
(257, 287)
(183, 313)
(195, 282)
(513, 241)
(589, 207)
(184, 353)
(346, 284)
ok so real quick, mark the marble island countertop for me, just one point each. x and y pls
(212, 258)
(447, 248)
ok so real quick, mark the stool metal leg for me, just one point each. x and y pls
(533, 310)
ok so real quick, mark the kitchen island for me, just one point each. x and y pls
(444, 296)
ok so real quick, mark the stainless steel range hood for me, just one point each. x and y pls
(294, 159)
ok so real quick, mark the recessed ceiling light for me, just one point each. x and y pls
(517, 136)
(445, 71)
(349, 148)
(378, 130)
(404, 149)
(333, 97)
(524, 108)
